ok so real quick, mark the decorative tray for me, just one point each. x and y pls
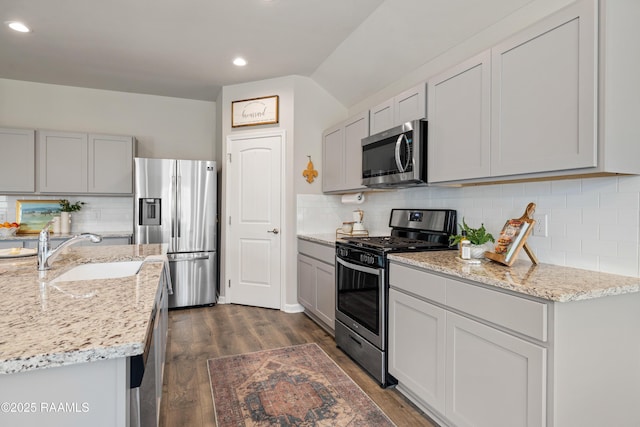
(353, 233)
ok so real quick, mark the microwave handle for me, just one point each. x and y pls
(401, 167)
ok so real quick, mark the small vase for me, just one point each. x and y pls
(477, 251)
(65, 222)
(56, 225)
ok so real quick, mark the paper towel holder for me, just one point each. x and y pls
(356, 198)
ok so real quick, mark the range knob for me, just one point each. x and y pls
(367, 259)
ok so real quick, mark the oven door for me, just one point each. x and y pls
(360, 300)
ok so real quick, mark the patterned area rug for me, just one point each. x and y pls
(291, 386)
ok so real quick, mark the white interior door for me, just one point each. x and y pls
(254, 201)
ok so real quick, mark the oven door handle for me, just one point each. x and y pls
(375, 271)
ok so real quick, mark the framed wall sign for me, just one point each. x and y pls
(255, 111)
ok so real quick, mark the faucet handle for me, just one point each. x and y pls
(48, 224)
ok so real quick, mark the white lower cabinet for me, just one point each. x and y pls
(316, 282)
(462, 371)
(493, 379)
(416, 347)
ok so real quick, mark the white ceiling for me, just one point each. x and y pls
(184, 48)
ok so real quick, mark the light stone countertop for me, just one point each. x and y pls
(48, 324)
(546, 281)
(328, 239)
(34, 236)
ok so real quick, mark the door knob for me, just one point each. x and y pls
(274, 231)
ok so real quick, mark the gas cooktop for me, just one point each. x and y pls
(412, 229)
(394, 242)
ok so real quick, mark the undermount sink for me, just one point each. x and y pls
(101, 270)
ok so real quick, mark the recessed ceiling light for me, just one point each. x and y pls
(18, 26)
(240, 62)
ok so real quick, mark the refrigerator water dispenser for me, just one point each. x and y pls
(150, 210)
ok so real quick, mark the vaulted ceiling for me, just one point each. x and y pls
(184, 48)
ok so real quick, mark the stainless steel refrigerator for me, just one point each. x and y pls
(176, 203)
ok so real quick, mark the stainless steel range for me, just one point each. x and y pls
(362, 282)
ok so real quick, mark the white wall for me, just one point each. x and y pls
(594, 223)
(165, 127)
(315, 110)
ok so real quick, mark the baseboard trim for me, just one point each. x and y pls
(293, 308)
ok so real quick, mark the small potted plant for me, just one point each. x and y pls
(66, 208)
(478, 237)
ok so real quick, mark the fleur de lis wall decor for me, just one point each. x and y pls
(310, 173)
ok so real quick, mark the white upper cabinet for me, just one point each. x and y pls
(410, 105)
(544, 95)
(459, 106)
(342, 154)
(333, 159)
(558, 106)
(71, 162)
(110, 164)
(381, 117)
(406, 106)
(17, 161)
(63, 162)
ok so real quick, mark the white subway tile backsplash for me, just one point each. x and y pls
(585, 261)
(627, 250)
(628, 216)
(628, 184)
(566, 244)
(569, 186)
(552, 201)
(565, 215)
(600, 185)
(598, 247)
(537, 188)
(583, 200)
(513, 190)
(600, 216)
(618, 233)
(592, 223)
(620, 200)
(617, 265)
(579, 231)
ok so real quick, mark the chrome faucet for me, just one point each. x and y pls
(46, 255)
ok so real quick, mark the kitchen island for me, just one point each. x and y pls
(66, 346)
(527, 345)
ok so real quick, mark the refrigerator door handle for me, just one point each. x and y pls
(173, 208)
(194, 258)
(179, 205)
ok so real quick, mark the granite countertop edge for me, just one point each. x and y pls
(545, 281)
(34, 236)
(328, 239)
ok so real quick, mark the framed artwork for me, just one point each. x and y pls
(33, 215)
(255, 111)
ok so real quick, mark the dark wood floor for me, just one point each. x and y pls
(198, 334)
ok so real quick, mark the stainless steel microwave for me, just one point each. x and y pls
(396, 157)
